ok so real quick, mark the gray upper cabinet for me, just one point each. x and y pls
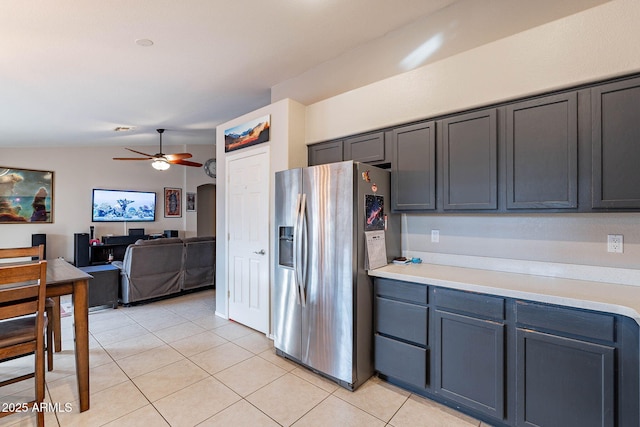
(470, 161)
(616, 145)
(413, 179)
(542, 153)
(366, 148)
(325, 152)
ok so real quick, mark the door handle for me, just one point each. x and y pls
(260, 252)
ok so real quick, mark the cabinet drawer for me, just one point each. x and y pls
(566, 320)
(398, 319)
(404, 362)
(412, 292)
(486, 306)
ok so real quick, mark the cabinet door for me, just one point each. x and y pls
(413, 168)
(542, 153)
(563, 382)
(470, 159)
(616, 145)
(470, 366)
(365, 149)
(325, 152)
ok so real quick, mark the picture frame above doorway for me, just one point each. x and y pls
(247, 134)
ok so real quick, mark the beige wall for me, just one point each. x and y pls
(78, 170)
(595, 44)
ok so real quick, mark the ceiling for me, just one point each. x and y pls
(72, 71)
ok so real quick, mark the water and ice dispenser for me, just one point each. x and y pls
(285, 246)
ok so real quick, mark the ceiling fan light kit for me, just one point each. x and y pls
(162, 161)
(160, 164)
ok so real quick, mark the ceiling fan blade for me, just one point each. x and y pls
(185, 163)
(178, 156)
(140, 152)
(132, 158)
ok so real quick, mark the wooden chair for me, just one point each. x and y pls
(22, 323)
(52, 305)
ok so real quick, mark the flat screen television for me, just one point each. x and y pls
(123, 206)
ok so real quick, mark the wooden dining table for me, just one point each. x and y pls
(65, 279)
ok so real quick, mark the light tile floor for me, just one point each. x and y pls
(173, 362)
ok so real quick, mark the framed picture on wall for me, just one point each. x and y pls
(26, 196)
(247, 134)
(191, 202)
(172, 202)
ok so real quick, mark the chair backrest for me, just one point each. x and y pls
(23, 290)
(35, 252)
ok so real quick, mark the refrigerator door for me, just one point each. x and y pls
(286, 298)
(328, 294)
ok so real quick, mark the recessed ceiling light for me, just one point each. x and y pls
(144, 42)
(125, 129)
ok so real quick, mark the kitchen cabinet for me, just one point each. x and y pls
(470, 350)
(325, 152)
(470, 161)
(401, 325)
(366, 149)
(565, 367)
(542, 153)
(616, 145)
(507, 361)
(370, 148)
(413, 167)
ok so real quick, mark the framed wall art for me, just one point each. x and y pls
(191, 202)
(172, 202)
(247, 134)
(26, 195)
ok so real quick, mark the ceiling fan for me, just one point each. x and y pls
(162, 161)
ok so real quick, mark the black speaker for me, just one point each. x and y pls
(136, 232)
(81, 249)
(39, 239)
(170, 233)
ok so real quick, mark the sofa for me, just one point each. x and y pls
(162, 267)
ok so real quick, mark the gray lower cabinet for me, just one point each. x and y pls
(564, 382)
(616, 145)
(508, 362)
(325, 152)
(470, 161)
(470, 349)
(401, 332)
(413, 167)
(542, 153)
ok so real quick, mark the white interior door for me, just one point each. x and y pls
(248, 245)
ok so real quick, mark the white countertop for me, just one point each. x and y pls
(607, 297)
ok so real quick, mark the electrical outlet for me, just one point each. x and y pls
(615, 243)
(435, 236)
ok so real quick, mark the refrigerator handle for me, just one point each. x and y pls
(296, 248)
(305, 249)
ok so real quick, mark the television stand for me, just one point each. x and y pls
(114, 245)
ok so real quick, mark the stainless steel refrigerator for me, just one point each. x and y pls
(323, 297)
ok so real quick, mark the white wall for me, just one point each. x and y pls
(287, 150)
(592, 45)
(78, 170)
